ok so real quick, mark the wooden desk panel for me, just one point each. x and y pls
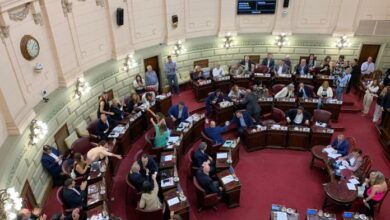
(201, 91)
(254, 140)
(276, 138)
(232, 190)
(223, 114)
(163, 105)
(298, 138)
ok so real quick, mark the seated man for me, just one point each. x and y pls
(341, 145)
(100, 152)
(200, 156)
(136, 178)
(214, 132)
(352, 162)
(286, 92)
(247, 64)
(303, 91)
(117, 109)
(197, 74)
(218, 71)
(74, 196)
(281, 68)
(103, 127)
(178, 113)
(213, 98)
(236, 70)
(149, 98)
(269, 61)
(52, 161)
(302, 68)
(205, 181)
(147, 165)
(243, 120)
(298, 116)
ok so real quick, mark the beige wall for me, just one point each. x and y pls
(75, 43)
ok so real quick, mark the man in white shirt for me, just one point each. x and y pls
(149, 99)
(218, 71)
(367, 67)
(281, 68)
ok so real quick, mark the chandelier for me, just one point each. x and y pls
(343, 42)
(281, 40)
(82, 88)
(38, 130)
(178, 48)
(10, 203)
(228, 41)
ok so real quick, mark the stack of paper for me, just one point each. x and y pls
(223, 155)
(168, 157)
(173, 201)
(328, 150)
(354, 181)
(334, 155)
(173, 139)
(351, 186)
(281, 216)
(227, 179)
(167, 182)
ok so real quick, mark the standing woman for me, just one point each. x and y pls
(161, 133)
(376, 190)
(311, 62)
(139, 84)
(104, 106)
(378, 105)
(325, 67)
(371, 92)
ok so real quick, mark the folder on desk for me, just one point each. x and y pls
(222, 155)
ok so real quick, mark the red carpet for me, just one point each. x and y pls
(267, 176)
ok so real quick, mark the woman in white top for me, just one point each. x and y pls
(139, 84)
(371, 91)
(218, 71)
(324, 92)
(235, 93)
(286, 92)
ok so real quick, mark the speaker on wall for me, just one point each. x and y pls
(119, 16)
(286, 3)
(175, 20)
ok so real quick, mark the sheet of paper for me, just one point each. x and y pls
(227, 179)
(281, 216)
(351, 186)
(173, 139)
(222, 155)
(334, 156)
(354, 181)
(173, 201)
(168, 158)
(165, 183)
(328, 150)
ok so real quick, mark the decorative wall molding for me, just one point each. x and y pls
(100, 3)
(38, 18)
(19, 13)
(4, 31)
(66, 7)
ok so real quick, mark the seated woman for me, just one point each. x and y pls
(376, 188)
(81, 167)
(235, 93)
(161, 133)
(197, 74)
(149, 198)
(259, 90)
(100, 152)
(133, 103)
(139, 84)
(287, 92)
(324, 92)
(352, 162)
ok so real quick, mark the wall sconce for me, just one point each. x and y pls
(10, 203)
(67, 6)
(38, 68)
(228, 41)
(4, 31)
(178, 48)
(100, 3)
(281, 40)
(37, 18)
(82, 88)
(130, 62)
(343, 42)
(38, 130)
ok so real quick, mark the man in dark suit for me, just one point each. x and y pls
(385, 106)
(247, 65)
(103, 127)
(147, 164)
(269, 61)
(302, 68)
(214, 132)
(74, 196)
(341, 145)
(298, 116)
(243, 120)
(213, 98)
(200, 156)
(117, 109)
(52, 161)
(178, 113)
(136, 178)
(206, 182)
(252, 105)
(303, 91)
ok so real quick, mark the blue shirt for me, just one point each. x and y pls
(170, 68)
(216, 133)
(343, 82)
(242, 122)
(151, 78)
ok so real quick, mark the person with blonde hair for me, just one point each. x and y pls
(235, 93)
(135, 177)
(378, 105)
(324, 92)
(371, 92)
(376, 188)
(197, 73)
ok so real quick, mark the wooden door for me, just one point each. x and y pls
(153, 61)
(28, 197)
(369, 50)
(59, 138)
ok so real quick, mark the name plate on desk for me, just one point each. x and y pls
(325, 77)
(278, 127)
(225, 104)
(283, 76)
(300, 129)
(334, 101)
(268, 99)
(204, 82)
(246, 76)
(263, 74)
(305, 76)
(286, 100)
(224, 78)
(310, 100)
(164, 96)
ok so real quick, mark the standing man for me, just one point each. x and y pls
(367, 67)
(252, 106)
(343, 83)
(170, 69)
(355, 75)
(151, 79)
(269, 61)
(247, 65)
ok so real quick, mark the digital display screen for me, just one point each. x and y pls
(253, 7)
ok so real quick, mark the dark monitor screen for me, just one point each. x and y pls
(256, 7)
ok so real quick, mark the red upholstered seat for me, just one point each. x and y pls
(132, 194)
(212, 148)
(322, 116)
(277, 116)
(82, 145)
(157, 214)
(92, 130)
(61, 202)
(261, 69)
(277, 87)
(311, 90)
(191, 168)
(203, 199)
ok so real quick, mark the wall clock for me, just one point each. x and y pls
(29, 47)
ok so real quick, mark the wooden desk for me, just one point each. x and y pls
(136, 126)
(223, 114)
(167, 174)
(286, 104)
(231, 190)
(309, 104)
(235, 153)
(97, 194)
(321, 136)
(355, 216)
(277, 138)
(319, 79)
(164, 103)
(192, 133)
(100, 172)
(266, 104)
(164, 163)
(318, 154)
(265, 78)
(202, 90)
(298, 137)
(292, 214)
(283, 79)
(223, 84)
(182, 208)
(242, 81)
(314, 215)
(334, 108)
(124, 142)
(255, 140)
(99, 209)
(337, 192)
(306, 79)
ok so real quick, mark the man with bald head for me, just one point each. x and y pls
(341, 145)
(214, 132)
(206, 182)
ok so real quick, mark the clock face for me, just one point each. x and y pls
(29, 47)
